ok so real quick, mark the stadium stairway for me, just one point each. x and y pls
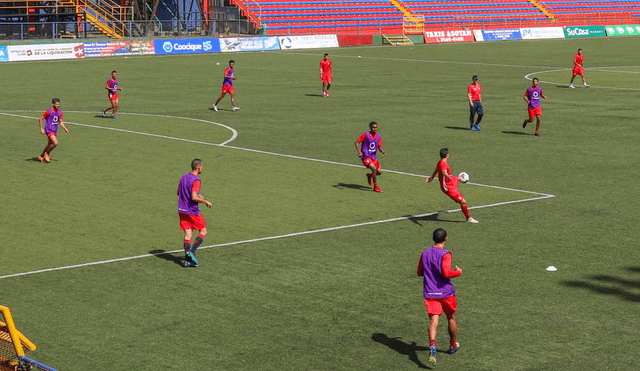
(105, 17)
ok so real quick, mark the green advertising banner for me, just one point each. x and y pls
(584, 31)
(623, 30)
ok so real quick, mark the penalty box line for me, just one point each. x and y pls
(260, 239)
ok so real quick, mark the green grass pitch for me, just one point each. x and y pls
(304, 267)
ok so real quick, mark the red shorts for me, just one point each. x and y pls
(455, 195)
(534, 111)
(366, 161)
(227, 89)
(113, 96)
(49, 135)
(326, 78)
(578, 71)
(188, 221)
(436, 306)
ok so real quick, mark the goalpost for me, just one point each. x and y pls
(14, 347)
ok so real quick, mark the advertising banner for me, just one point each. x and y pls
(492, 35)
(45, 51)
(542, 33)
(115, 48)
(4, 54)
(623, 30)
(584, 31)
(448, 36)
(308, 42)
(186, 46)
(244, 44)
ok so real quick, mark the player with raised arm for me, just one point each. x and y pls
(227, 87)
(532, 97)
(578, 69)
(326, 74)
(190, 217)
(52, 118)
(368, 145)
(112, 94)
(449, 183)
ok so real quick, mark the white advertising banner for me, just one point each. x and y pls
(45, 51)
(542, 33)
(308, 42)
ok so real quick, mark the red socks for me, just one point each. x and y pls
(465, 210)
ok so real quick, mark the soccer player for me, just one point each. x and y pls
(439, 293)
(474, 93)
(52, 117)
(578, 69)
(449, 183)
(227, 87)
(368, 146)
(112, 89)
(190, 217)
(326, 74)
(532, 97)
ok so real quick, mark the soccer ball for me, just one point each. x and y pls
(464, 177)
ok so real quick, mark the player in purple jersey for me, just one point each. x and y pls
(532, 97)
(190, 217)
(227, 87)
(112, 94)
(52, 117)
(368, 145)
(439, 293)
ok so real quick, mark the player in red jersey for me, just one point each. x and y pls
(474, 94)
(326, 74)
(52, 117)
(449, 183)
(578, 69)
(112, 89)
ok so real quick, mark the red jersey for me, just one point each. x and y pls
(445, 184)
(325, 66)
(577, 60)
(475, 90)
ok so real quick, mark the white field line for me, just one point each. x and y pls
(542, 195)
(599, 69)
(330, 229)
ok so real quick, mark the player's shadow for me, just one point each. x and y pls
(315, 95)
(409, 349)
(33, 159)
(562, 86)
(221, 109)
(610, 285)
(168, 256)
(458, 128)
(431, 218)
(515, 132)
(357, 187)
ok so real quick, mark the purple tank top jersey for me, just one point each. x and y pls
(534, 96)
(185, 204)
(51, 122)
(436, 286)
(228, 81)
(370, 146)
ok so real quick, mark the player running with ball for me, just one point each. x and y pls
(449, 183)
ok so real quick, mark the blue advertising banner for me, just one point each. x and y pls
(4, 54)
(186, 46)
(508, 34)
(249, 44)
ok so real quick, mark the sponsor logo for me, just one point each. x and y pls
(577, 32)
(527, 32)
(630, 29)
(620, 29)
(638, 29)
(167, 47)
(286, 42)
(207, 46)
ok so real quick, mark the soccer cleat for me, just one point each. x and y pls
(188, 264)
(234, 108)
(192, 258)
(369, 178)
(215, 108)
(473, 128)
(586, 85)
(376, 189)
(524, 124)
(471, 220)
(47, 158)
(327, 94)
(433, 356)
(478, 127)
(324, 94)
(537, 134)
(41, 159)
(113, 116)
(452, 349)
(572, 87)
(104, 113)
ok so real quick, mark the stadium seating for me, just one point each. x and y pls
(564, 8)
